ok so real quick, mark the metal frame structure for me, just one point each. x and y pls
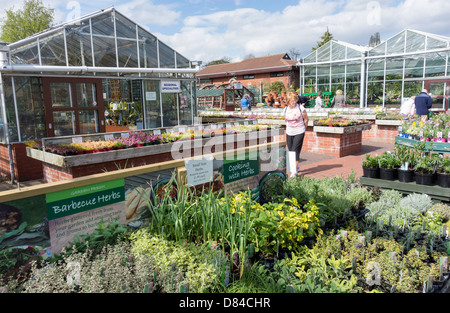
(407, 46)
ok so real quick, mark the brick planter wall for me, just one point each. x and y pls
(381, 133)
(56, 168)
(336, 145)
(25, 168)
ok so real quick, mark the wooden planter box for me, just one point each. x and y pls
(57, 167)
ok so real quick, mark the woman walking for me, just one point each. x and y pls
(296, 121)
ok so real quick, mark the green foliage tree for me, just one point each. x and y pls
(33, 18)
(222, 60)
(327, 36)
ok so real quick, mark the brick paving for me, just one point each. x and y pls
(319, 166)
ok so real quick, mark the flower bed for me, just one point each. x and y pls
(435, 129)
(323, 235)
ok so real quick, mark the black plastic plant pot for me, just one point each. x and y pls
(405, 176)
(388, 173)
(443, 180)
(371, 172)
(424, 178)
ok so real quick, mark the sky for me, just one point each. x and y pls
(207, 30)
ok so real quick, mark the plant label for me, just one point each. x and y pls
(443, 261)
(157, 132)
(343, 233)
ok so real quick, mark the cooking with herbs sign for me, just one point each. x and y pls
(80, 199)
(245, 166)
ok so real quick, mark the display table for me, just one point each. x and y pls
(438, 147)
(435, 192)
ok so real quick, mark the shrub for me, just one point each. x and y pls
(441, 208)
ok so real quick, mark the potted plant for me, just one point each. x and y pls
(407, 160)
(389, 164)
(443, 173)
(424, 171)
(371, 166)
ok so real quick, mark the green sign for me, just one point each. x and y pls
(80, 199)
(240, 167)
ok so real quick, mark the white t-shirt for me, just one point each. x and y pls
(294, 120)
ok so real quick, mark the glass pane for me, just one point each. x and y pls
(414, 42)
(393, 93)
(394, 68)
(166, 56)
(352, 53)
(435, 64)
(86, 95)
(61, 94)
(126, 42)
(169, 107)
(375, 93)
(64, 123)
(186, 103)
(182, 62)
(353, 72)
(52, 50)
(147, 49)
(435, 43)
(152, 104)
(103, 38)
(436, 91)
(338, 51)
(375, 69)
(310, 58)
(27, 54)
(396, 44)
(88, 121)
(414, 67)
(412, 88)
(323, 53)
(79, 45)
(378, 50)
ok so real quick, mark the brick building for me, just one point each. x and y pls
(256, 72)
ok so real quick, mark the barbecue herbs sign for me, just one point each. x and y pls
(77, 200)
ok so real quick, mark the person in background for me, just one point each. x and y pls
(423, 103)
(296, 121)
(338, 99)
(244, 103)
(303, 100)
(250, 102)
(319, 101)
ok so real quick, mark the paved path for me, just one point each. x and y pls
(319, 166)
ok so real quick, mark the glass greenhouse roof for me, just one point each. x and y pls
(410, 41)
(102, 39)
(335, 50)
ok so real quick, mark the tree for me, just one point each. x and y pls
(294, 53)
(223, 60)
(327, 36)
(32, 19)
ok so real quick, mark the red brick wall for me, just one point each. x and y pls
(381, 133)
(289, 78)
(54, 173)
(336, 145)
(25, 168)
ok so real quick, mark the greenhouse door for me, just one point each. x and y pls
(73, 106)
(439, 92)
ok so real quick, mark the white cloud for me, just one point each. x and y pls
(243, 31)
(146, 12)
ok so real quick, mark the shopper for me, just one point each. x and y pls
(319, 101)
(296, 122)
(244, 103)
(250, 102)
(423, 103)
(303, 100)
(338, 100)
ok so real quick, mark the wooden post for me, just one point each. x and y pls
(181, 176)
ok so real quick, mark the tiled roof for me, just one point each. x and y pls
(272, 63)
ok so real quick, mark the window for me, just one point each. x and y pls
(250, 76)
(276, 74)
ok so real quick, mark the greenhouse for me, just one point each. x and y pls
(384, 75)
(100, 73)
